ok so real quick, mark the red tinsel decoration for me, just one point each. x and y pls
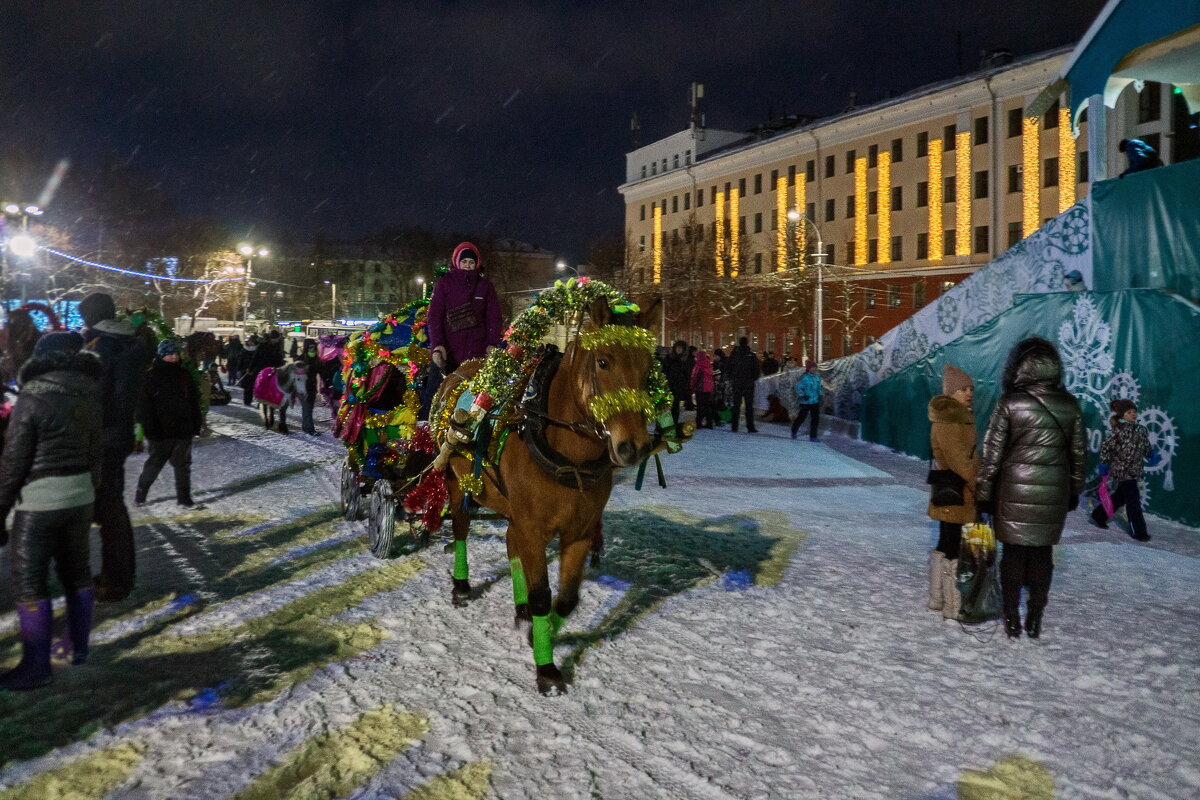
(422, 440)
(428, 499)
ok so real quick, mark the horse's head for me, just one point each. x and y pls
(615, 355)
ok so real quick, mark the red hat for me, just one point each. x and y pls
(466, 248)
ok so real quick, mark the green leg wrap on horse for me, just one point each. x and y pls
(556, 622)
(460, 561)
(543, 642)
(520, 590)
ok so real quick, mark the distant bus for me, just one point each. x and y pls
(313, 330)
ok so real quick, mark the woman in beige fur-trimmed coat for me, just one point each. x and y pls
(952, 436)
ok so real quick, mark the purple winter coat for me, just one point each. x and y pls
(462, 290)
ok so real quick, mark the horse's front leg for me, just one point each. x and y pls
(461, 525)
(532, 555)
(570, 575)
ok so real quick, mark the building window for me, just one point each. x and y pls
(872, 251)
(981, 184)
(757, 263)
(810, 211)
(981, 130)
(897, 150)
(741, 223)
(922, 246)
(850, 207)
(922, 144)
(948, 137)
(642, 243)
(700, 231)
(643, 211)
(699, 197)
(829, 210)
(850, 250)
(643, 170)
(1082, 172)
(1149, 103)
(810, 170)
(829, 166)
(949, 193)
(712, 197)
(1014, 179)
(654, 168)
(872, 202)
(1050, 177)
(873, 156)
(1014, 233)
(687, 201)
(774, 178)
(774, 222)
(849, 161)
(675, 236)
(675, 204)
(758, 223)
(664, 165)
(792, 175)
(1015, 125)
(893, 293)
(830, 254)
(897, 248)
(982, 243)
(1050, 118)
(919, 294)
(922, 194)
(687, 156)
(897, 198)
(868, 297)
(949, 242)
(741, 187)
(758, 183)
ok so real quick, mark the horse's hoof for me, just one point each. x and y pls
(461, 595)
(550, 681)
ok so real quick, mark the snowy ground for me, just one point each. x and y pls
(756, 630)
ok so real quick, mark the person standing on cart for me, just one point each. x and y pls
(464, 316)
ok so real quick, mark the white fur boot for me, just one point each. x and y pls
(936, 565)
(951, 601)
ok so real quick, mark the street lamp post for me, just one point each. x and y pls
(795, 218)
(332, 301)
(421, 283)
(561, 266)
(249, 251)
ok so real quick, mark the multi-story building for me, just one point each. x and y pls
(906, 198)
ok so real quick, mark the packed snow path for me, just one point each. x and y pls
(755, 630)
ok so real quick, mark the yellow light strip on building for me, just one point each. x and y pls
(962, 193)
(735, 234)
(781, 224)
(884, 189)
(935, 199)
(1030, 160)
(860, 210)
(801, 223)
(1066, 160)
(657, 243)
(719, 228)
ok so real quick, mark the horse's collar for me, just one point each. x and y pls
(536, 404)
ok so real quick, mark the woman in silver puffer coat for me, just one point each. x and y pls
(1030, 475)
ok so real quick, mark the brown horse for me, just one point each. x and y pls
(556, 479)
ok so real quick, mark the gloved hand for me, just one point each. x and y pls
(985, 507)
(1073, 502)
(1103, 470)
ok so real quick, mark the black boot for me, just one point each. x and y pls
(1033, 623)
(1099, 518)
(1012, 624)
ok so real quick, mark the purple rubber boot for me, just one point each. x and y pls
(34, 669)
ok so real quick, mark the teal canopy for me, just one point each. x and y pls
(1139, 344)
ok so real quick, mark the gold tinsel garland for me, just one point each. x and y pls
(617, 336)
(606, 406)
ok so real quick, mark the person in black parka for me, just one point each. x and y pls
(679, 376)
(169, 410)
(123, 359)
(742, 371)
(268, 354)
(49, 473)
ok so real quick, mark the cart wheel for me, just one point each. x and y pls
(352, 505)
(381, 522)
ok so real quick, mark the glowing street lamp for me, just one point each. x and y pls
(22, 245)
(561, 266)
(249, 251)
(421, 283)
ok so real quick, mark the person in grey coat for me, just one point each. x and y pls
(1030, 475)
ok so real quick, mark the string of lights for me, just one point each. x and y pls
(135, 273)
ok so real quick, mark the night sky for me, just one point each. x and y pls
(495, 119)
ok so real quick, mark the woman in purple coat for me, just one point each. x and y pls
(464, 313)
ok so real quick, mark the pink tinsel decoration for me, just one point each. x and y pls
(428, 499)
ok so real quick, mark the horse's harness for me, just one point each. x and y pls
(536, 420)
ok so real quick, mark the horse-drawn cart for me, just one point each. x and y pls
(384, 369)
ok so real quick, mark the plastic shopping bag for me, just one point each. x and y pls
(978, 576)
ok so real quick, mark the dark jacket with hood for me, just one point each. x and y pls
(55, 427)
(169, 407)
(123, 359)
(464, 313)
(678, 373)
(314, 365)
(268, 354)
(742, 369)
(1034, 455)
